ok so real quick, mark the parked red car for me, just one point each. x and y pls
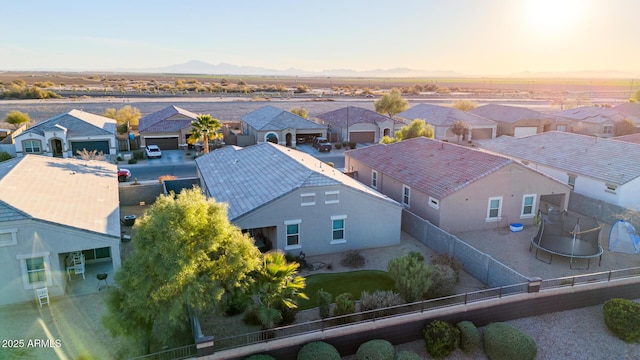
(123, 175)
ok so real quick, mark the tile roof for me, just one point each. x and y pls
(629, 108)
(354, 115)
(508, 114)
(608, 160)
(272, 118)
(161, 122)
(71, 192)
(594, 115)
(442, 115)
(436, 168)
(77, 122)
(248, 178)
(632, 138)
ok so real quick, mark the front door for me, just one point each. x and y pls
(288, 139)
(56, 147)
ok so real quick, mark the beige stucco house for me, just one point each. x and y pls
(518, 121)
(594, 120)
(454, 187)
(270, 124)
(168, 128)
(50, 210)
(290, 201)
(355, 124)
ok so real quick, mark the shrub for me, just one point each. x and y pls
(451, 261)
(132, 161)
(352, 259)
(622, 317)
(411, 276)
(441, 338)
(318, 350)
(251, 317)
(4, 156)
(443, 281)
(338, 146)
(138, 154)
(235, 303)
(469, 336)
(324, 303)
(407, 355)
(378, 300)
(344, 306)
(375, 350)
(260, 357)
(352, 145)
(119, 158)
(503, 341)
(288, 314)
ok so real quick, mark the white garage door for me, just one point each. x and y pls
(524, 131)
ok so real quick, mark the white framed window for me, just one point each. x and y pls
(608, 129)
(331, 197)
(337, 229)
(434, 203)
(307, 199)
(32, 146)
(528, 206)
(494, 209)
(611, 188)
(35, 270)
(293, 234)
(406, 195)
(561, 128)
(8, 237)
(571, 181)
(374, 179)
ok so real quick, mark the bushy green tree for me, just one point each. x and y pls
(441, 338)
(300, 111)
(206, 128)
(411, 275)
(464, 105)
(125, 115)
(16, 118)
(186, 253)
(324, 303)
(415, 129)
(344, 306)
(391, 103)
(460, 128)
(624, 127)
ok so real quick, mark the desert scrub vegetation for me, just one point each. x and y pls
(376, 350)
(26, 92)
(441, 338)
(622, 317)
(378, 300)
(411, 276)
(352, 259)
(505, 342)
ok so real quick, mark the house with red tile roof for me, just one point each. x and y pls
(168, 128)
(454, 187)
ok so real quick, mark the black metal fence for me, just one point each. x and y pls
(184, 352)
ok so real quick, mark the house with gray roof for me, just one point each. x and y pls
(630, 108)
(65, 134)
(442, 119)
(454, 187)
(288, 200)
(518, 121)
(632, 138)
(603, 169)
(168, 128)
(594, 120)
(355, 124)
(280, 127)
(53, 211)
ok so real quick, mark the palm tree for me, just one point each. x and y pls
(277, 284)
(206, 128)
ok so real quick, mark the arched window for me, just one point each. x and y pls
(271, 137)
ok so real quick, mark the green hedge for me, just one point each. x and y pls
(505, 342)
(407, 355)
(441, 337)
(260, 357)
(622, 317)
(469, 336)
(318, 350)
(376, 350)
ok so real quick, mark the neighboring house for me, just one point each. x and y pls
(442, 118)
(280, 127)
(594, 120)
(358, 125)
(168, 128)
(51, 208)
(629, 108)
(603, 169)
(632, 138)
(290, 201)
(518, 121)
(66, 134)
(455, 187)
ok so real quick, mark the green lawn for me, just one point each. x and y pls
(354, 282)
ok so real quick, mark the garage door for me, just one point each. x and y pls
(100, 146)
(166, 143)
(479, 134)
(524, 131)
(362, 137)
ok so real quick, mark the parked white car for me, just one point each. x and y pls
(153, 151)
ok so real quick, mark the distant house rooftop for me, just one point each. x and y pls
(160, 121)
(507, 114)
(442, 116)
(272, 118)
(352, 115)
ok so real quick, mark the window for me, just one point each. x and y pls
(97, 254)
(572, 181)
(494, 209)
(8, 237)
(337, 229)
(611, 188)
(528, 206)
(406, 195)
(561, 128)
(35, 270)
(331, 197)
(32, 146)
(307, 199)
(374, 179)
(608, 129)
(434, 203)
(293, 234)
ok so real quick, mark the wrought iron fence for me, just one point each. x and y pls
(171, 354)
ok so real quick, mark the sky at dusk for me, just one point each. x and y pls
(471, 37)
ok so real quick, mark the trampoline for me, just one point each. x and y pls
(567, 235)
